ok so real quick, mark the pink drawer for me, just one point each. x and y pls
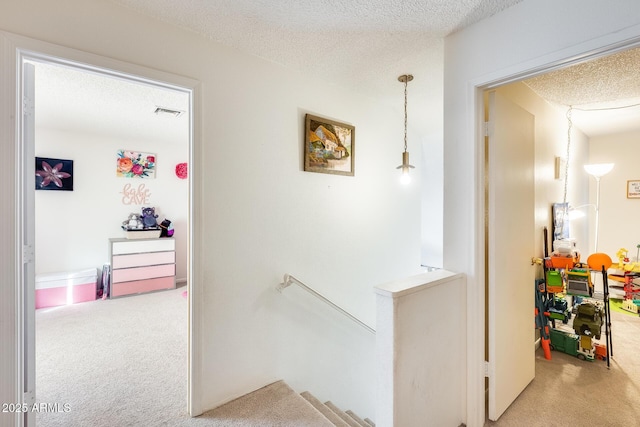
(142, 273)
(141, 286)
(144, 259)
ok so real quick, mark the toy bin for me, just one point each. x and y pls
(54, 289)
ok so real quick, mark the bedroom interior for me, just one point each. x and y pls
(100, 252)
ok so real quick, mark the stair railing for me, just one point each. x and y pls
(289, 279)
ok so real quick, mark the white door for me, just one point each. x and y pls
(28, 241)
(511, 234)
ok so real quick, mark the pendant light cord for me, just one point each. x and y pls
(565, 205)
(405, 114)
(566, 166)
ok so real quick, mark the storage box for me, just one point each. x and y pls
(143, 234)
(54, 289)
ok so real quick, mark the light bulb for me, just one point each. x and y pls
(405, 178)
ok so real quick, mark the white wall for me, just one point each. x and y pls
(550, 142)
(431, 170)
(261, 215)
(618, 214)
(527, 37)
(73, 227)
(420, 350)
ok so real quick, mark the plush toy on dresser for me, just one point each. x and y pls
(142, 226)
(149, 218)
(133, 222)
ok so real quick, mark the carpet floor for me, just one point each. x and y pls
(123, 362)
(114, 362)
(567, 391)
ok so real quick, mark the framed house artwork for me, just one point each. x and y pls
(134, 164)
(54, 174)
(329, 146)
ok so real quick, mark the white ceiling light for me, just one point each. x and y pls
(405, 178)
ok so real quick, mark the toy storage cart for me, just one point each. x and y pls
(54, 289)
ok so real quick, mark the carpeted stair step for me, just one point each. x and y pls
(274, 404)
(343, 415)
(324, 410)
(357, 419)
(371, 423)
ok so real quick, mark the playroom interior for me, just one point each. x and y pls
(587, 260)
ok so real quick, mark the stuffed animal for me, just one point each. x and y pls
(149, 218)
(133, 222)
(167, 228)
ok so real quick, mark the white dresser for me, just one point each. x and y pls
(142, 265)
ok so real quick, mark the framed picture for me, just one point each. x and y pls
(633, 189)
(134, 164)
(329, 146)
(54, 174)
(560, 226)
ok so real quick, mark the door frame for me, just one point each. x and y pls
(15, 50)
(477, 332)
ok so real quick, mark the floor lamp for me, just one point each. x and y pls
(598, 171)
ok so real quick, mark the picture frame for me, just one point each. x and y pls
(135, 164)
(54, 174)
(560, 223)
(329, 146)
(633, 189)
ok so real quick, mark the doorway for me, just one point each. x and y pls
(549, 185)
(92, 118)
(25, 51)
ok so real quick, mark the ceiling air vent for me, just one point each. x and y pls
(161, 111)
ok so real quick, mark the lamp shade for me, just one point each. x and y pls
(598, 169)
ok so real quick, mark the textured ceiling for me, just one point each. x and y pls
(96, 104)
(370, 43)
(353, 34)
(602, 80)
(604, 92)
(364, 44)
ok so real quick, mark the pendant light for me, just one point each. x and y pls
(405, 178)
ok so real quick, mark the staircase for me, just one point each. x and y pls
(334, 414)
(278, 405)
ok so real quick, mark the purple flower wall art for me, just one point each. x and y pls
(134, 164)
(54, 174)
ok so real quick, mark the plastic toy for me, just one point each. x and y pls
(601, 262)
(568, 343)
(559, 310)
(626, 273)
(589, 320)
(555, 284)
(579, 283)
(541, 319)
(600, 351)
